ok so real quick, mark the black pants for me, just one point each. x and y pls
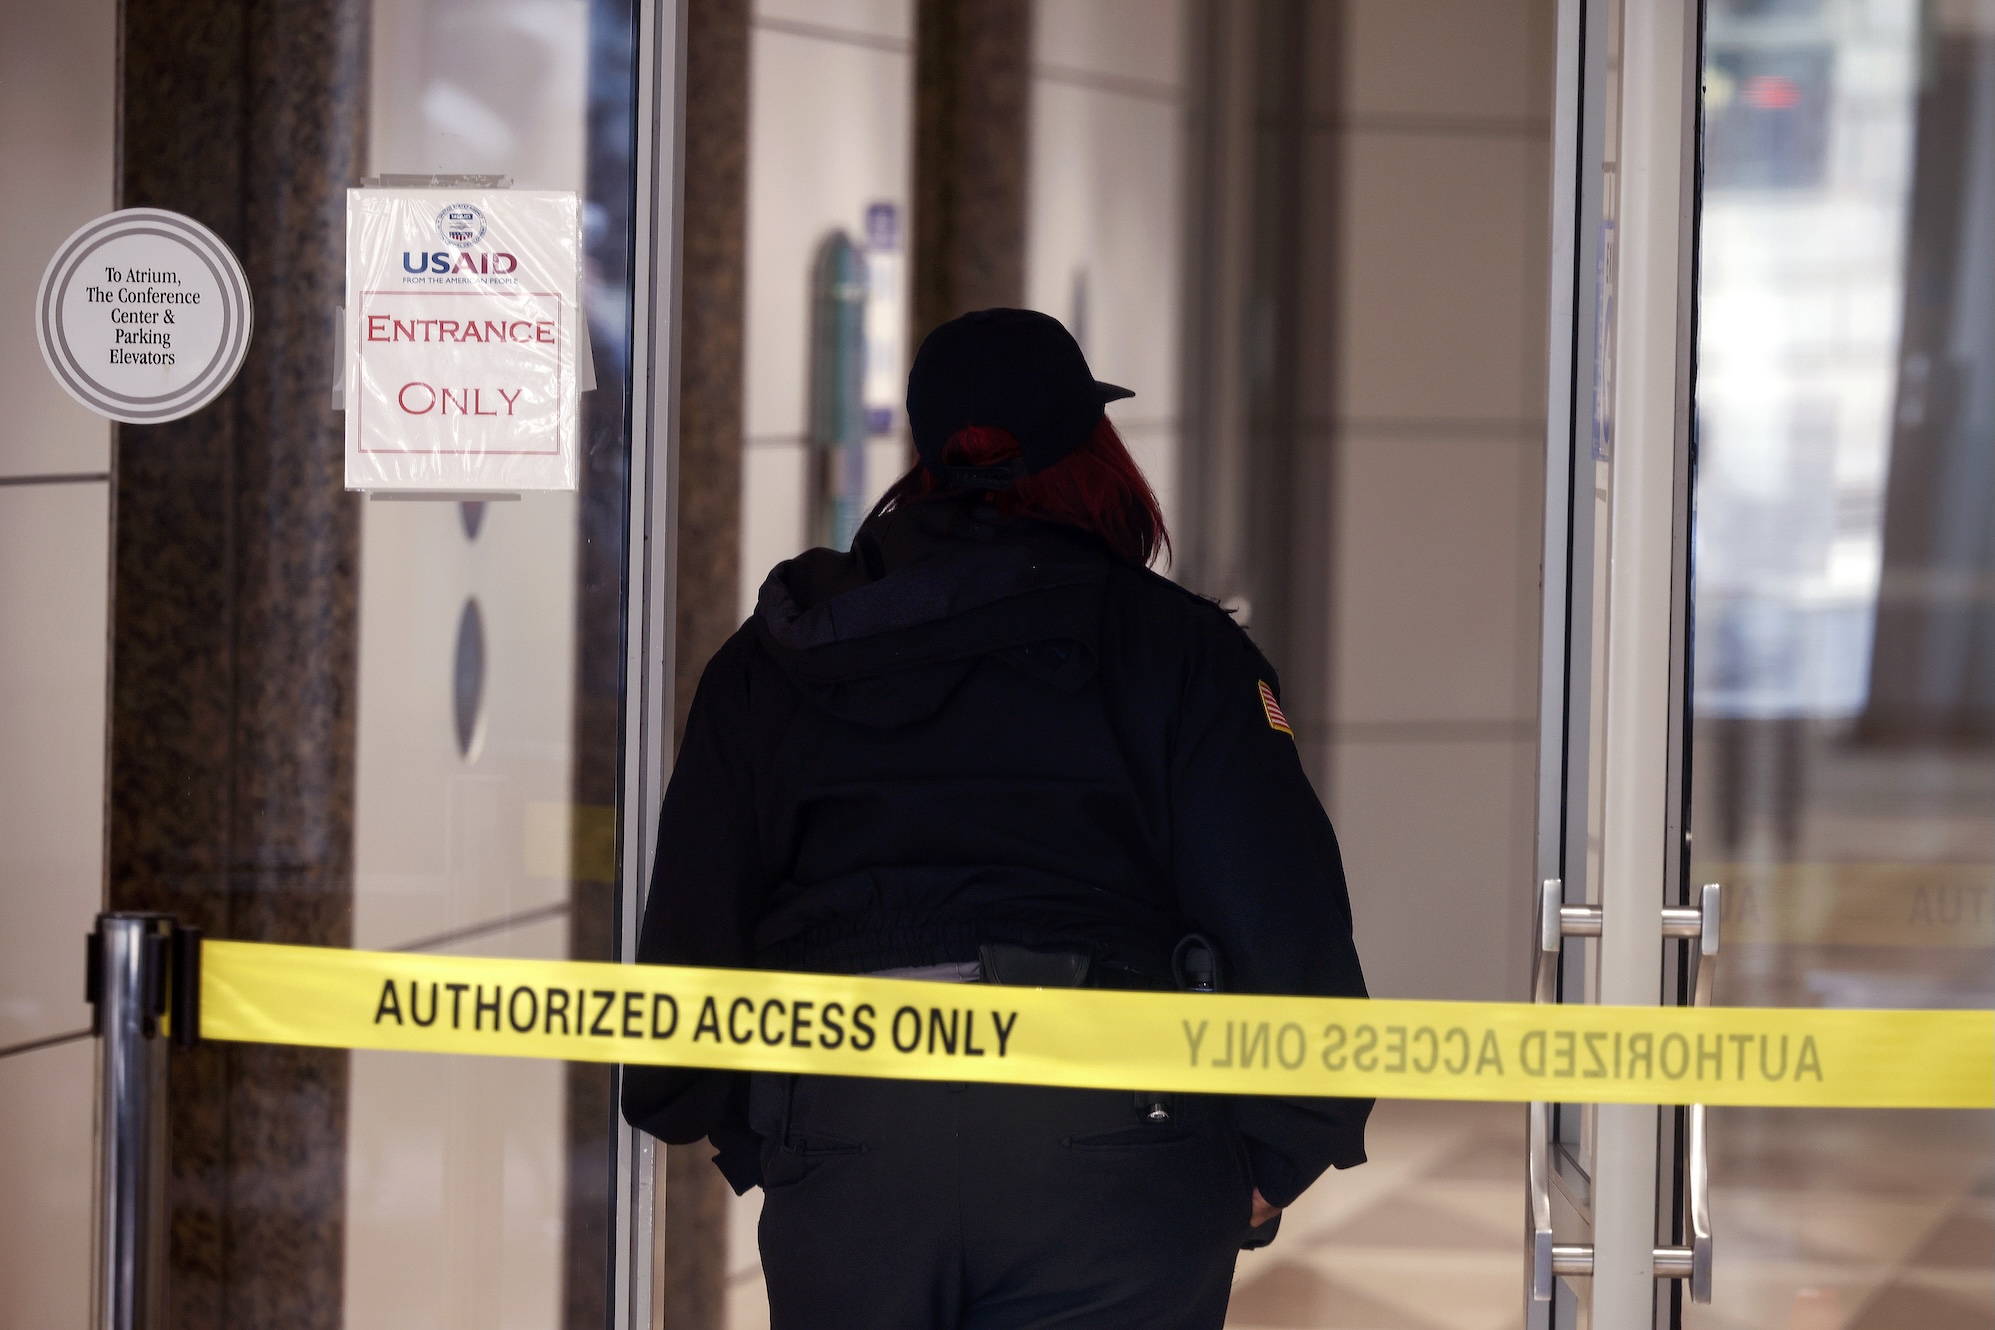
(912, 1205)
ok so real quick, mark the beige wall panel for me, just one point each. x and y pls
(1130, 39)
(1459, 59)
(53, 548)
(58, 101)
(1154, 446)
(774, 485)
(1102, 246)
(1442, 305)
(47, 1103)
(1534, 272)
(1104, 208)
(53, 551)
(890, 19)
(1437, 845)
(53, 577)
(1436, 598)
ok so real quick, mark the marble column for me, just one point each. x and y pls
(712, 304)
(972, 107)
(712, 297)
(233, 630)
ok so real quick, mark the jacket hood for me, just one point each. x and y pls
(884, 634)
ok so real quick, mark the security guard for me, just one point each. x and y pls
(989, 745)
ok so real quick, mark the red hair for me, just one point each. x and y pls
(1098, 488)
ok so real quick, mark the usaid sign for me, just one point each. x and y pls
(462, 337)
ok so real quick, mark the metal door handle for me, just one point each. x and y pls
(1692, 1263)
(1549, 1260)
(1556, 922)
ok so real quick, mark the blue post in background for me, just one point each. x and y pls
(837, 392)
(886, 321)
(857, 371)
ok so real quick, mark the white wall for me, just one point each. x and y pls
(1105, 190)
(829, 131)
(58, 66)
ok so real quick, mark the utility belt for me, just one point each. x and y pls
(1194, 968)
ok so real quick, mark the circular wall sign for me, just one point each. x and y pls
(144, 316)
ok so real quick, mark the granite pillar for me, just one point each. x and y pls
(972, 107)
(233, 630)
(712, 304)
(712, 296)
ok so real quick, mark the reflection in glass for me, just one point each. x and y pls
(1844, 619)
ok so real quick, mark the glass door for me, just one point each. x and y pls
(510, 650)
(1607, 1242)
(1777, 225)
(1843, 708)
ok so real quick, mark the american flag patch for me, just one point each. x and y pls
(1276, 721)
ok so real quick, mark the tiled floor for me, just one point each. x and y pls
(1424, 1237)
(1825, 1221)
(1852, 1221)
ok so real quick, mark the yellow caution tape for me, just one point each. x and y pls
(840, 1025)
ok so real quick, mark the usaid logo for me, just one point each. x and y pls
(461, 225)
(441, 262)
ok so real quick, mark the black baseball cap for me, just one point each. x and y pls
(1011, 369)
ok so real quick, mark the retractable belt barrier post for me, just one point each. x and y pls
(1219, 1043)
(141, 979)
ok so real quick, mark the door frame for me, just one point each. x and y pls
(1613, 736)
(638, 1167)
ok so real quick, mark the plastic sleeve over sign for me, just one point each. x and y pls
(462, 340)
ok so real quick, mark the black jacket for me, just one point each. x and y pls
(974, 730)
